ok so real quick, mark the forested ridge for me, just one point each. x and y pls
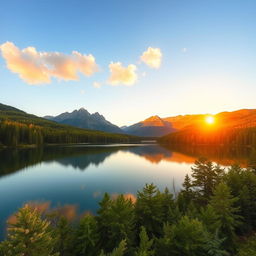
(213, 214)
(225, 136)
(20, 128)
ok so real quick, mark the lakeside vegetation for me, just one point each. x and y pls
(19, 128)
(214, 214)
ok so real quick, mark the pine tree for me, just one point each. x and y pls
(65, 237)
(115, 218)
(222, 203)
(205, 177)
(213, 246)
(168, 207)
(86, 237)
(187, 238)
(209, 218)
(145, 248)
(29, 236)
(148, 209)
(119, 251)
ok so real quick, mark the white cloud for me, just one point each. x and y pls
(184, 50)
(152, 57)
(122, 75)
(96, 84)
(39, 67)
(82, 92)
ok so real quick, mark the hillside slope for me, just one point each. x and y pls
(230, 128)
(156, 126)
(153, 126)
(17, 127)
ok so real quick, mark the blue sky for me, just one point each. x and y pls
(208, 61)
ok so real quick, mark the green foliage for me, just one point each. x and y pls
(206, 176)
(228, 219)
(248, 247)
(116, 221)
(86, 237)
(155, 224)
(65, 237)
(119, 251)
(149, 211)
(214, 246)
(242, 183)
(30, 235)
(210, 218)
(188, 237)
(145, 247)
(18, 128)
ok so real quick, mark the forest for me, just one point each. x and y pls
(225, 136)
(213, 214)
(19, 128)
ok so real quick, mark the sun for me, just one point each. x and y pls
(209, 120)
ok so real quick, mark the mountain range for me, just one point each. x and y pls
(20, 128)
(155, 126)
(83, 119)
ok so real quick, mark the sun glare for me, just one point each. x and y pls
(209, 120)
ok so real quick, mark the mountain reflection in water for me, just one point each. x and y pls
(72, 179)
(81, 156)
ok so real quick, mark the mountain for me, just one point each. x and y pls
(157, 127)
(83, 119)
(9, 108)
(237, 128)
(243, 118)
(19, 128)
(153, 126)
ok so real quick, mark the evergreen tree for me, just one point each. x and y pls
(242, 183)
(116, 219)
(86, 237)
(205, 177)
(213, 246)
(119, 251)
(222, 203)
(145, 248)
(148, 209)
(29, 236)
(187, 238)
(210, 219)
(248, 247)
(168, 207)
(65, 237)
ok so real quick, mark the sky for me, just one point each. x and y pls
(128, 60)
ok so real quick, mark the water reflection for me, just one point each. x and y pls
(81, 157)
(226, 156)
(72, 179)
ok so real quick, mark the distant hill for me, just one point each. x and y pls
(157, 127)
(19, 128)
(230, 128)
(83, 119)
(9, 108)
(153, 126)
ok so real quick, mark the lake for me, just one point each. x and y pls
(74, 178)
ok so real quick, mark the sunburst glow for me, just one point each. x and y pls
(210, 120)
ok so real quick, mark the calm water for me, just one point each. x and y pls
(74, 178)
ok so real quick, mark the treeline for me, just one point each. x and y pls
(12, 160)
(231, 137)
(214, 214)
(14, 133)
